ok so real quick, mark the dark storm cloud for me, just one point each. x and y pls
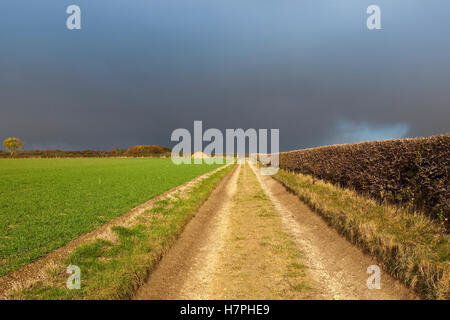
(138, 70)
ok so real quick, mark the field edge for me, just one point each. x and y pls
(48, 284)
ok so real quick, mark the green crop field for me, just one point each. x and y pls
(45, 203)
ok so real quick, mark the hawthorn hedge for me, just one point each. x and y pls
(146, 150)
(412, 172)
(135, 151)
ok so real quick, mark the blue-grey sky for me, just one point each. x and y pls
(138, 69)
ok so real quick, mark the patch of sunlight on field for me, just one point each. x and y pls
(45, 203)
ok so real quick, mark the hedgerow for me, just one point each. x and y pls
(135, 151)
(412, 173)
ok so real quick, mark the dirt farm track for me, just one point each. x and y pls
(252, 239)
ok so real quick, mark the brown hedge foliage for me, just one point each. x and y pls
(58, 154)
(410, 172)
(136, 151)
(147, 150)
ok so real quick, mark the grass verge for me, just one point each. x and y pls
(259, 258)
(115, 268)
(410, 247)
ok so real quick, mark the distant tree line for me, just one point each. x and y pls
(15, 147)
